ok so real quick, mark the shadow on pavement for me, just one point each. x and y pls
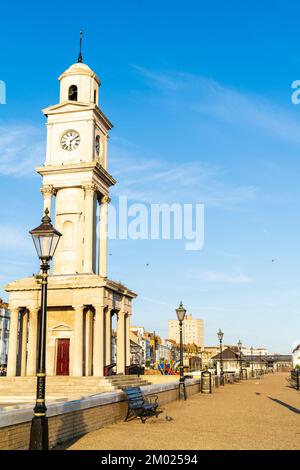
(286, 405)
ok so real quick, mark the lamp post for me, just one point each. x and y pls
(180, 312)
(45, 238)
(154, 349)
(240, 349)
(252, 371)
(220, 336)
(260, 360)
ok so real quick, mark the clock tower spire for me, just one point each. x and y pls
(80, 47)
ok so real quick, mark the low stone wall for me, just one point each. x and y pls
(159, 379)
(68, 420)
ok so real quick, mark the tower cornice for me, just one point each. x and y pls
(78, 168)
(74, 107)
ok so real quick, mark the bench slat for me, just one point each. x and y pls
(134, 392)
(135, 396)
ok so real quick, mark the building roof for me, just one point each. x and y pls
(228, 354)
(134, 344)
(255, 358)
(280, 358)
(232, 353)
(79, 68)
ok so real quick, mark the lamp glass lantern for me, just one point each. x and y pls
(220, 334)
(45, 238)
(180, 312)
(240, 344)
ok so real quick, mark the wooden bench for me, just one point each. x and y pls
(140, 406)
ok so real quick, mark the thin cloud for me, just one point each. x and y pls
(158, 79)
(16, 239)
(208, 97)
(153, 180)
(21, 149)
(222, 277)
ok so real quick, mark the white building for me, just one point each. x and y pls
(164, 351)
(136, 350)
(256, 351)
(143, 341)
(193, 331)
(296, 356)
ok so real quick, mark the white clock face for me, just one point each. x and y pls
(70, 140)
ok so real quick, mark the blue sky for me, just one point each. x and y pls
(200, 96)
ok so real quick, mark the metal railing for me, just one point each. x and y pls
(134, 369)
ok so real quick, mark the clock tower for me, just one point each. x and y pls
(75, 171)
(81, 298)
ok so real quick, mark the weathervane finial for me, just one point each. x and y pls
(80, 46)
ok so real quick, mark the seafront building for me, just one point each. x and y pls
(144, 342)
(193, 330)
(296, 356)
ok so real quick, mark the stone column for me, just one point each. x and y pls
(88, 342)
(24, 342)
(98, 360)
(121, 342)
(47, 192)
(89, 190)
(108, 337)
(127, 345)
(78, 341)
(13, 342)
(32, 342)
(103, 236)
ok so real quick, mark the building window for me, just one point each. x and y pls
(95, 96)
(73, 93)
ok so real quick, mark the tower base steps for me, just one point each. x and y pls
(23, 389)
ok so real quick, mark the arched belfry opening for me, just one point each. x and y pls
(73, 93)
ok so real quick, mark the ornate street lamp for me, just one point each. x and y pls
(220, 336)
(252, 371)
(180, 312)
(240, 349)
(154, 349)
(45, 238)
(260, 360)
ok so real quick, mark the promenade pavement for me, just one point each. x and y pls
(254, 414)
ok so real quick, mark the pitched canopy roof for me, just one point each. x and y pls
(228, 354)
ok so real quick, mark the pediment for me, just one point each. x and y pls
(61, 327)
(67, 106)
